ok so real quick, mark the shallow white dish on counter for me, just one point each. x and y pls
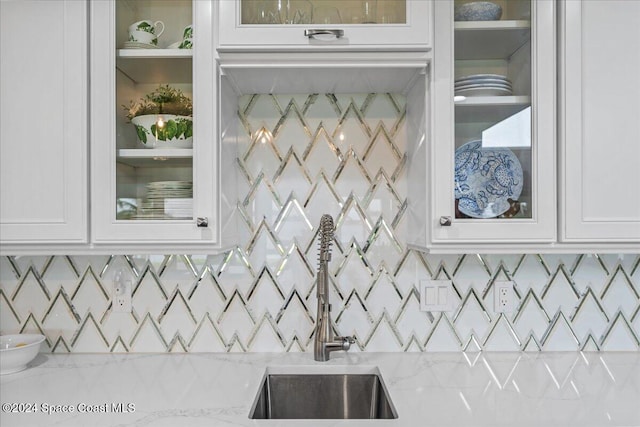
(16, 351)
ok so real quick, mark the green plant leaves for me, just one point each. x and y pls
(142, 133)
(179, 128)
(171, 128)
(164, 99)
(185, 128)
(159, 132)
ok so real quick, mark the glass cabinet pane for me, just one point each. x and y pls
(154, 110)
(492, 98)
(323, 12)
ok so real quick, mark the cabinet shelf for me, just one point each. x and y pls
(484, 109)
(145, 157)
(490, 39)
(156, 65)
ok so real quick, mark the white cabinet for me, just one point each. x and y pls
(312, 25)
(142, 194)
(600, 121)
(488, 174)
(44, 122)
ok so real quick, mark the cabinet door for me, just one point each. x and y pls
(153, 160)
(43, 128)
(493, 154)
(600, 121)
(337, 24)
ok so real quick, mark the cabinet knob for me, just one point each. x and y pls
(323, 32)
(445, 221)
(202, 221)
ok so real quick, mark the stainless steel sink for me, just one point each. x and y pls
(322, 396)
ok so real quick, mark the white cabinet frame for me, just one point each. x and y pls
(161, 235)
(44, 124)
(416, 34)
(464, 234)
(599, 135)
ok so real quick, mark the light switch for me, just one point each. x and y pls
(431, 296)
(443, 294)
(436, 295)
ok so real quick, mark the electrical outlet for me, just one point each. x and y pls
(121, 300)
(503, 297)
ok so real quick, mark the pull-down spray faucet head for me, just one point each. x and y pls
(326, 238)
(324, 255)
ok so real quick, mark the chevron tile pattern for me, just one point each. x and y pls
(301, 156)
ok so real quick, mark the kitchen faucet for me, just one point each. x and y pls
(325, 341)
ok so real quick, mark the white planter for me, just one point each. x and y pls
(170, 132)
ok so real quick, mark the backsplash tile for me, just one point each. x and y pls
(301, 156)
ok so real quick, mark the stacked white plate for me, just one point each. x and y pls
(167, 200)
(138, 45)
(483, 85)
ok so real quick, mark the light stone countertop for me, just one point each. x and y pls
(427, 389)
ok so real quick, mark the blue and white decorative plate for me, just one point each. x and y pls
(485, 178)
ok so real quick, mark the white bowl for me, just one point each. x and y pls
(146, 131)
(18, 350)
(478, 11)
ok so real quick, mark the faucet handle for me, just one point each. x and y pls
(347, 342)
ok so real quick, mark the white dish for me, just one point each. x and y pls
(16, 351)
(138, 45)
(167, 194)
(459, 88)
(484, 91)
(170, 184)
(485, 179)
(483, 76)
(474, 87)
(182, 44)
(483, 81)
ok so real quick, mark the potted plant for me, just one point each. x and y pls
(163, 118)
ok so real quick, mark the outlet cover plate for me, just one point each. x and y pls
(121, 298)
(503, 296)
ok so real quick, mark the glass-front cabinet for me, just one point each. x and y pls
(153, 122)
(492, 158)
(325, 24)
